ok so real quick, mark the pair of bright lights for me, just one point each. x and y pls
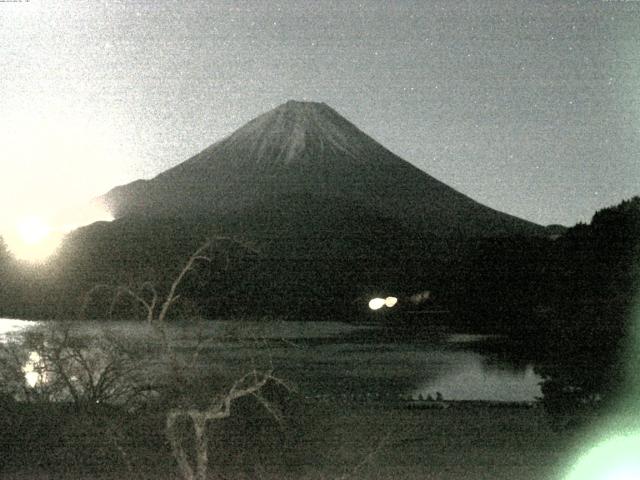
(378, 303)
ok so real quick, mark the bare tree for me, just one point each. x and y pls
(58, 363)
(220, 405)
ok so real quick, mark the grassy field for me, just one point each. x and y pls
(321, 440)
(476, 442)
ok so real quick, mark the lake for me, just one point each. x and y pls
(339, 359)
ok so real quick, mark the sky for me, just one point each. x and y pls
(531, 108)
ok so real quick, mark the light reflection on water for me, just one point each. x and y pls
(471, 379)
(33, 370)
(325, 358)
(9, 326)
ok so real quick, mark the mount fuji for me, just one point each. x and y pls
(306, 155)
(335, 218)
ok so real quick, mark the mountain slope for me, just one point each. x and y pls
(303, 150)
(335, 218)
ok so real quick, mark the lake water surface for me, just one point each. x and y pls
(339, 359)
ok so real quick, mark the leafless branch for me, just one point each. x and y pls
(171, 296)
(105, 380)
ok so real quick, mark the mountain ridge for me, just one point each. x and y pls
(302, 149)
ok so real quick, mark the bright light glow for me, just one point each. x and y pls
(32, 239)
(35, 239)
(53, 163)
(376, 303)
(615, 459)
(32, 378)
(79, 216)
(9, 326)
(390, 301)
(33, 230)
(32, 370)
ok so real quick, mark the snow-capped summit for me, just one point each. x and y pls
(302, 150)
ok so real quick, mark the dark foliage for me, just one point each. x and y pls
(596, 285)
(501, 283)
(566, 303)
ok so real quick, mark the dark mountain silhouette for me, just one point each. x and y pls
(335, 216)
(304, 153)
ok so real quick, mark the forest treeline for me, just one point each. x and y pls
(569, 305)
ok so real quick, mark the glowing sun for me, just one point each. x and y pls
(33, 230)
(34, 239)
